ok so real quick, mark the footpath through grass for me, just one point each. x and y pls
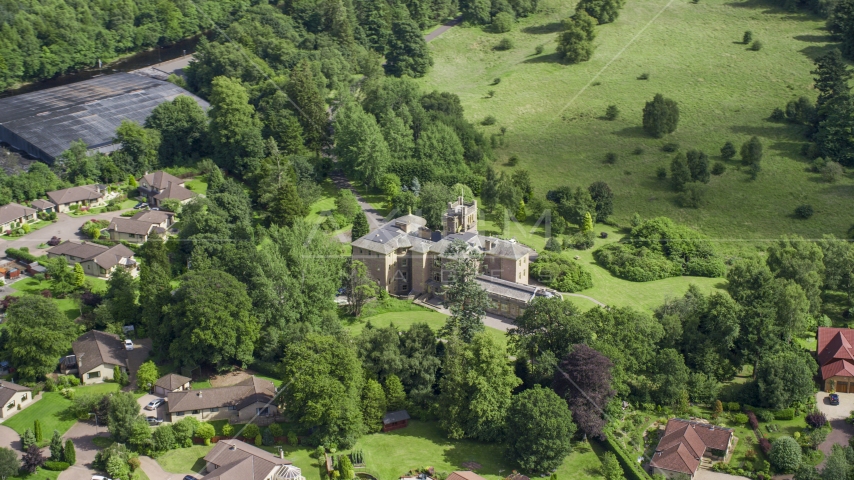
(692, 53)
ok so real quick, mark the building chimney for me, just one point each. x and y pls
(199, 394)
(281, 453)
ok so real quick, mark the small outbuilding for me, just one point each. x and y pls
(171, 383)
(395, 420)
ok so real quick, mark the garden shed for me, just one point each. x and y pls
(395, 420)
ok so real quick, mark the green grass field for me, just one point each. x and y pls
(198, 185)
(692, 52)
(390, 455)
(50, 410)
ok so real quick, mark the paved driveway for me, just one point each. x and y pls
(161, 410)
(154, 472)
(10, 439)
(703, 474)
(836, 415)
(82, 434)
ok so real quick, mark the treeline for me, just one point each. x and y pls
(41, 39)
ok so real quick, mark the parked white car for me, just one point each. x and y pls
(152, 405)
(128, 344)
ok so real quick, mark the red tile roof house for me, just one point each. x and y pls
(684, 444)
(836, 358)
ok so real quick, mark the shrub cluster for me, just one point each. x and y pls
(816, 419)
(55, 466)
(21, 255)
(561, 273)
(659, 248)
(754, 423)
(785, 414)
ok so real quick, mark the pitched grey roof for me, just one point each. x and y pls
(95, 348)
(504, 288)
(9, 390)
(247, 392)
(175, 191)
(238, 460)
(172, 381)
(152, 216)
(42, 204)
(74, 194)
(12, 211)
(161, 179)
(129, 225)
(105, 257)
(394, 417)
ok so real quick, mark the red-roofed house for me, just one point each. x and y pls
(836, 358)
(684, 444)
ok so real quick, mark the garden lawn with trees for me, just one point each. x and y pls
(553, 113)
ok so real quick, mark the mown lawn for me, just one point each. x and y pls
(692, 53)
(184, 460)
(390, 455)
(50, 410)
(198, 185)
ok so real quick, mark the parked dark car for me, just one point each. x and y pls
(54, 241)
(834, 399)
(190, 477)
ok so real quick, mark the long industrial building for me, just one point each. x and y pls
(44, 123)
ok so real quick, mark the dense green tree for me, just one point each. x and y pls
(235, 130)
(9, 463)
(751, 284)
(728, 151)
(37, 431)
(123, 412)
(796, 259)
(303, 90)
(28, 439)
(38, 334)
(395, 395)
(359, 286)
(440, 146)
(57, 451)
(751, 155)
(210, 320)
(76, 165)
(163, 438)
(831, 81)
(785, 454)
(360, 145)
(476, 11)
(698, 164)
(69, 453)
(325, 387)
(604, 11)
(146, 376)
(576, 206)
(539, 428)
(138, 153)
(660, 116)
(601, 193)
(183, 127)
(121, 296)
(465, 298)
(670, 377)
(360, 226)
(785, 378)
(839, 265)
(574, 43)
(476, 389)
(407, 51)
(373, 405)
(433, 203)
(548, 325)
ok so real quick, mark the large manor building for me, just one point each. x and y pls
(407, 258)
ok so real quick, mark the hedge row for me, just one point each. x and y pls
(631, 468)
(785, 414)
(20, 255)
(56, 466)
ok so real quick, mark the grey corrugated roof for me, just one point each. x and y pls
(13, 211)
(507, 289)
(91, 110)
(394, 417)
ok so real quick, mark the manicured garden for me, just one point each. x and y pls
(51, 410)
(390, 455)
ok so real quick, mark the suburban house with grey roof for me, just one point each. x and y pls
(241, 402)
(83, 196)
(13, 215)
(171, 382)
(97, 354)
(160, 218)
(14, 398)
(97, 260)
(232, 459)
(43, 205)
(159, 186)
(407, 258)
(133, 231)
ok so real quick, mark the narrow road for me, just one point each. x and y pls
(375, 220)
(444, 28)
(155, 472)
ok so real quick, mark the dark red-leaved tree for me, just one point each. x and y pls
(33, 459)
(583, 378)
